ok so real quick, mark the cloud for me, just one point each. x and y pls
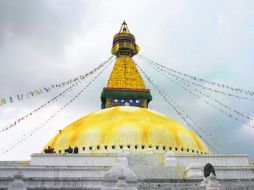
(246, 131)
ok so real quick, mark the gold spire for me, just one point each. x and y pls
(125, 75)
(125, 84)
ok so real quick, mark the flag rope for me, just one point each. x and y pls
(54, 99)
(24, 137)
(204, 81)
(188, 89)
(176, 108)
(34, 93)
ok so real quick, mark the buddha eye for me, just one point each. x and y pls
(134, 101)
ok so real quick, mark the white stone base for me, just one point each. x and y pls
(153, 171)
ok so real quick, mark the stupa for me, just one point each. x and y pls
(125, 122)
(125, 145)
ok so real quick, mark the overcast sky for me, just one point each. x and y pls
(46, 42)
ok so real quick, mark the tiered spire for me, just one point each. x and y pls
(125, 85)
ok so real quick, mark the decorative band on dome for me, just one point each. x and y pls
(107, 148)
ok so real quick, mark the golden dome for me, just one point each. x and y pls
(127, 128)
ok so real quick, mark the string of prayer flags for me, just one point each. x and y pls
(177, 80)
(178, 110)
(43, 90)
(54, 99)
(24, 137)
(197, 79)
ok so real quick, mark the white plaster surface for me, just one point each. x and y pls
(194, 171)
(73, 159)
(86, 171)
(170, 160)
(17, 183)
(213, 184)
(120, 177)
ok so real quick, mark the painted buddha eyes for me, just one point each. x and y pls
(132, 101)
(119, 100)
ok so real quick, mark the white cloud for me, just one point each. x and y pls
(248, 131)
